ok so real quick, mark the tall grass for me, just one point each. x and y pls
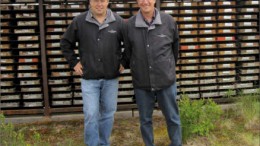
(248, 108)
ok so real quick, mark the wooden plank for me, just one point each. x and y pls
(125, 85)
(127, 100)
(125, 78)
(130, 92)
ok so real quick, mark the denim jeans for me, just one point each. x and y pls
(167, 102)
(99, 106)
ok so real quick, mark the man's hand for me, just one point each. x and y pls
(78, 69)
(121, 68)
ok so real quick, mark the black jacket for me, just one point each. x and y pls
(99, 49)
(152, 53)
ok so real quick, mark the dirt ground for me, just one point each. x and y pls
(126, 132)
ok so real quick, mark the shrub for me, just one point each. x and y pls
(198, 116)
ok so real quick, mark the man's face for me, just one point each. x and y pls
(146, 6)
(98, 7)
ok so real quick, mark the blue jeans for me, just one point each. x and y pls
(167, 102)
(99, 106)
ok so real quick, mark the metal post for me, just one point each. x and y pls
(44, 61)
(259, 42)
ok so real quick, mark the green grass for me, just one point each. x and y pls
(239, 128)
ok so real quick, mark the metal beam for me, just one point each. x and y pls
(22, 112)
(43, 60)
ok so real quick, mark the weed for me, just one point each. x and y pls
(230, 93)
(8, 136)
(11, 137)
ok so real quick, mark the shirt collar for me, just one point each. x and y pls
(147, 22)
(140, 22)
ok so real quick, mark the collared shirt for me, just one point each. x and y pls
(140, 22)
(147, 22)
(109, 18)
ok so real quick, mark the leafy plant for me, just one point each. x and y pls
(198, 116)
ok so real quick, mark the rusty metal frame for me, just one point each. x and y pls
(43, 60)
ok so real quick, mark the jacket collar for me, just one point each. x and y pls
(140, 22)
(109, 19)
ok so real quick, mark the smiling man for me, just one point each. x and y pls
(99, 35)
(151, 50)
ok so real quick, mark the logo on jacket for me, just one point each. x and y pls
(161, 35)
(112, 31)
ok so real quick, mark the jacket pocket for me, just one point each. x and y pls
(164, 72)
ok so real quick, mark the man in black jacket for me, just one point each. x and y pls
(152, 45)
(99, 36)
